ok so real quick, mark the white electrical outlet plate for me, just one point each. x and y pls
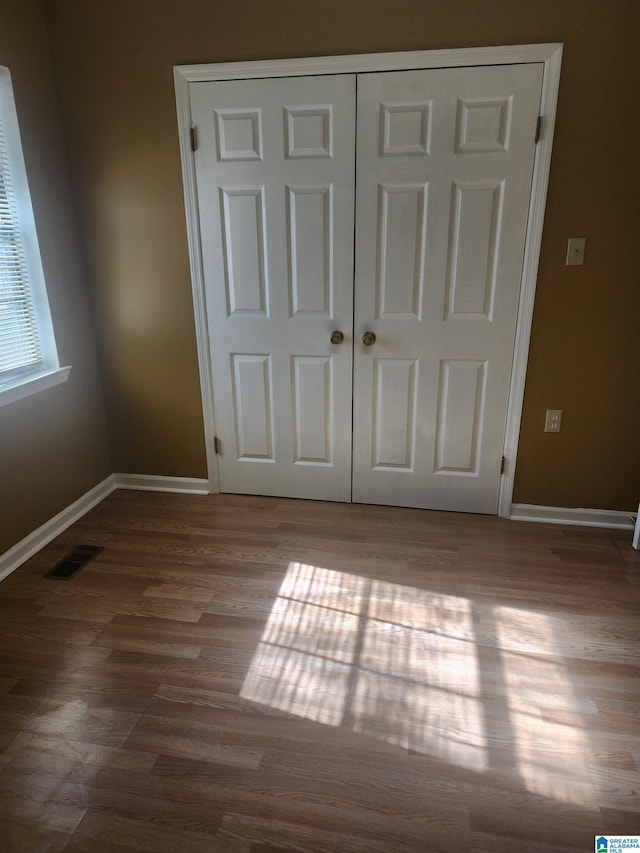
(575, 251)
(553, 420)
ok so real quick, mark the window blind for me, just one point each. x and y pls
(19, 342)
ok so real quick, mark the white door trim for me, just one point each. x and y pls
(548, 54)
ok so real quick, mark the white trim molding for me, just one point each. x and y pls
(153, 483)
(183, 106)
(37, 539)
(537, 206)
(32, 384)
(580, 517)
(549, 55)
(358, 63)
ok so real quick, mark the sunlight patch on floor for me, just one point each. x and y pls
(386, 660)
(542, 709)
(477, 685)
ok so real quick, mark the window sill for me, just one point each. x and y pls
(32, 384)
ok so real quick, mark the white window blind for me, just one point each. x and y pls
(28, 354)
(19, 340)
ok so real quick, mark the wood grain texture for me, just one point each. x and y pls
(247, 675)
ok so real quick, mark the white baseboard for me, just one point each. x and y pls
(581, 517)
(31, 544)
(153, 483)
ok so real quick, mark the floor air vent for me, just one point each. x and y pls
(73, 562)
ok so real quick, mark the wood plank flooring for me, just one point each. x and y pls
(246, 675)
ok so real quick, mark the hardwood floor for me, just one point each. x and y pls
(245, 675)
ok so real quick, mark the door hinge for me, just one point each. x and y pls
(502, 464)
(216, 445)
(538, 129)
(193, 133)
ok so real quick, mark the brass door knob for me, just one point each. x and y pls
(369, 339)
(337, 337)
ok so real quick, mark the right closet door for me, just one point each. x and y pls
(443, 179)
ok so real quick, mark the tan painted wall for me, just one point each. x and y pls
(114, 63)
(53, 445)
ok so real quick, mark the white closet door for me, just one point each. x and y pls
(444, 168)
(275, 177)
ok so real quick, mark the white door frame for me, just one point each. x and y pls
(548, 54)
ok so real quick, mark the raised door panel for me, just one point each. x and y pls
(393, 416)
(253, 406)
(459, 417)
(402, 218)
(474, 245)
(311, 241)
(244, 236)
(312, 378)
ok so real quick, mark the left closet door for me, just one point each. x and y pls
(275, 176)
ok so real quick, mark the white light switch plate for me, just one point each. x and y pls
(575, 251)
